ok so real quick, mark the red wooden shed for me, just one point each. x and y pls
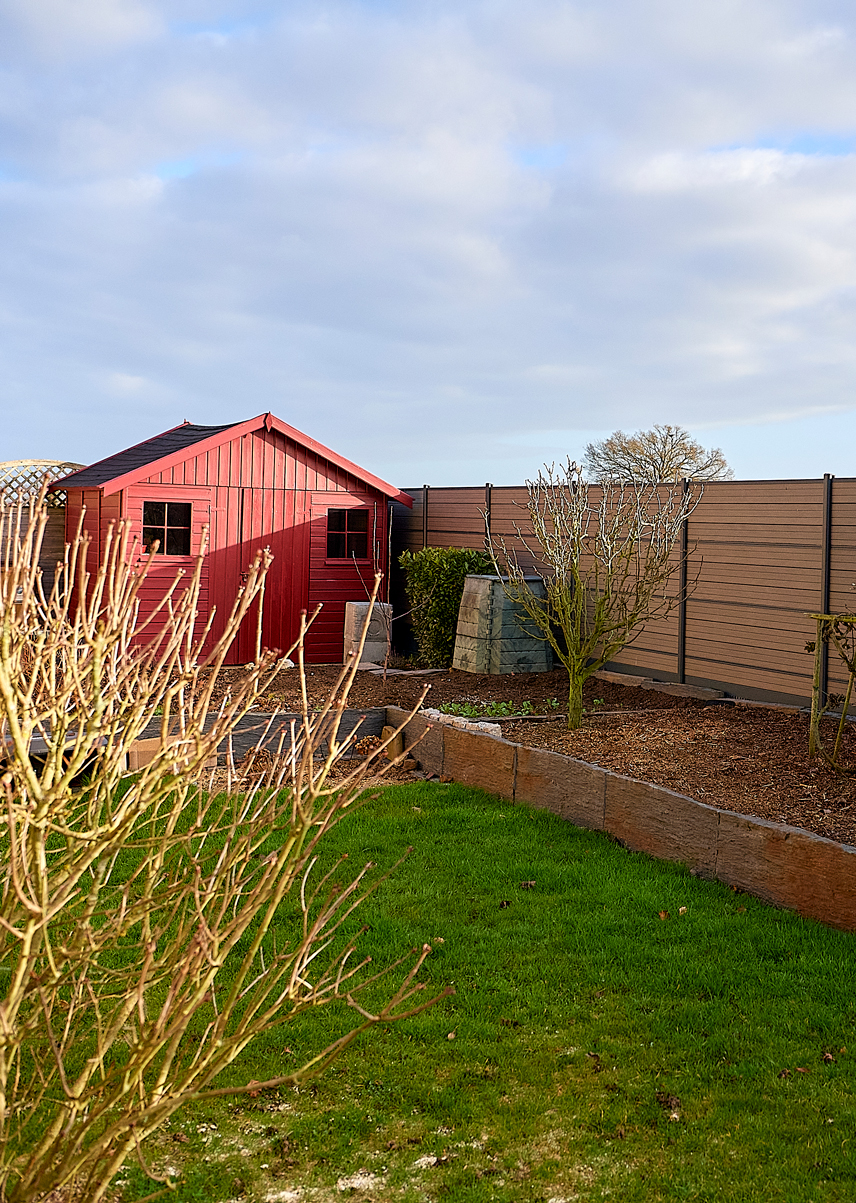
(254, 484)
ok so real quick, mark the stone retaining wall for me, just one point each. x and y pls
(248, 730)
(783, 865)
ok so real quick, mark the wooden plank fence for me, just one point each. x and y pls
(763, 555)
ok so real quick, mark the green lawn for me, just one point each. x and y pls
(592, 1050)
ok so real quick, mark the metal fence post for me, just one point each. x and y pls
(488, 490)
(425, 489)
(682, 599)
(825, 565)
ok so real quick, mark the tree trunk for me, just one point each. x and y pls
(575, 701)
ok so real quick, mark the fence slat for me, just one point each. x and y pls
(760, 553)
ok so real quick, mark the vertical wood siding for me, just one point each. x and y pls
(165, 568)
(83, 512)
(334, 582)
(254, 491)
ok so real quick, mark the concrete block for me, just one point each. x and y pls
(648, 818)
(479, 760)
(377, 636)
(396, 746)
(422, 739)
(569, 788)
(144, 751)
(787, 866)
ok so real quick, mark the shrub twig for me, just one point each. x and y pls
(135, 957)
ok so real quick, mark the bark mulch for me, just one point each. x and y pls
(751, 760)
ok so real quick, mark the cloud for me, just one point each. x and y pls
(123, 384)
(432, 236)
(677, 172)
(63, 28)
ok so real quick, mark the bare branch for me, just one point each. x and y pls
(609, 554)
(664, 453)
(182, 879)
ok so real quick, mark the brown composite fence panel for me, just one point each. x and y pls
(763, 555)
(757, 546)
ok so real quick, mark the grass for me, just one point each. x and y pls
(593, 1049)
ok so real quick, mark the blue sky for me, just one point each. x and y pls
(451, 240)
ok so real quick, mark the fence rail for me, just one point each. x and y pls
(763, 555)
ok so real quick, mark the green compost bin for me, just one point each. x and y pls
(494, 635)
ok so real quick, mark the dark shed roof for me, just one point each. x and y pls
(127, 467)
(144, 453)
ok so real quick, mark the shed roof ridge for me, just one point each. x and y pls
(127, 467)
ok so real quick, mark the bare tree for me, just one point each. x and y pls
(136, 949)
(607, 555)
(664, 453)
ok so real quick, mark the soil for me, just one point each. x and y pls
(744, 758)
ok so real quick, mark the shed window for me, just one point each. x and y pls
(168, 522)
(347, 534)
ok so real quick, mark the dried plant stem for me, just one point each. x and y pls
(136, 960)
(840, 631)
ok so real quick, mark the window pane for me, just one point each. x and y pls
(336, 546)
(177, 542)
(358, 520)
(154, 513)
(336, 519)
(358, 545)
(178, 514)
(150, 533)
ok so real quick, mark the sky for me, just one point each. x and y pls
(451, 240)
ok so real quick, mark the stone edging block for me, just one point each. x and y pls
(422, 739)
(670, 826)
(788, 866)
(680, 691)
(481, 760)
(144, 751)
(783, 865)
(569, 788)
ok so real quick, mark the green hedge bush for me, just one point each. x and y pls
(434, 580)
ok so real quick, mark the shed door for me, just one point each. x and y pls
(260, 518)
(175, 515)
(347, 538)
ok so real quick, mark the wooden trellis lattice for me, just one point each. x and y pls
(22, 479)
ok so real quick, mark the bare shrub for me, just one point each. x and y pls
(136, 960)
(607, 554)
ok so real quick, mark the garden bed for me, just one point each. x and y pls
(744, 758)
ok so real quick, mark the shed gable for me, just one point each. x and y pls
(261, 459)
(253, 485)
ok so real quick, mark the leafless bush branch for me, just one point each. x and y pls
(608, 554)
(136, 958)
